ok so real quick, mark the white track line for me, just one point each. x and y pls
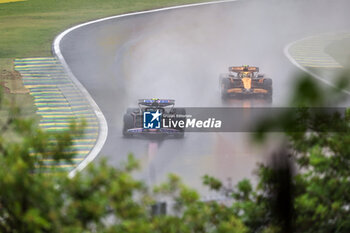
(102, 136)
(313, 74)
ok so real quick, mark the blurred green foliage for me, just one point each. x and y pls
(303, 188)
(34, 198)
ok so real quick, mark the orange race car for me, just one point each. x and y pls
(245, 81)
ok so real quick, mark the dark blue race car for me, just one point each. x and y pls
(146, 119)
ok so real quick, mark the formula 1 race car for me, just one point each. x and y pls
(245, 81)
(146, 120)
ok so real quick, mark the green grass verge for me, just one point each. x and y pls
(28, 28)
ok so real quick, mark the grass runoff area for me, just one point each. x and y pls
(28, 28)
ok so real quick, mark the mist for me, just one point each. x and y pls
(179, 54)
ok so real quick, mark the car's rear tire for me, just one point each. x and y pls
(128, 123)
(267, 85)
(225, 85)
(180, 111)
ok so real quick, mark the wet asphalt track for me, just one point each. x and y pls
(179, 54)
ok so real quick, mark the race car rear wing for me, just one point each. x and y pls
(243, 68)
(156, 102)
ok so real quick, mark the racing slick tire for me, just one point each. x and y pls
(180, 111)
(128, 123)
(267, 85)
(225, 84)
